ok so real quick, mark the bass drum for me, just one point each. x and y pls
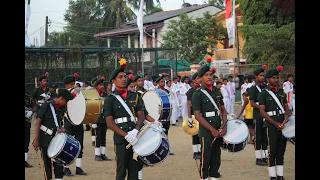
(289, 130)
(85, 108)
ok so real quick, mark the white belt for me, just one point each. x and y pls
(46, 130)
(274, 113)
(211, 114)
(257, 103)
(124, 120)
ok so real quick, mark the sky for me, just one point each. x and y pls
(55, 9)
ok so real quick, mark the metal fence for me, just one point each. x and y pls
(88, 62)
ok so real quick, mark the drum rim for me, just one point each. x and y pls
(167, 95)
(154, 150)
(153, 90)
(241, 122)
(284, 128)
(163, 158)
(61, 146)
(224, 149)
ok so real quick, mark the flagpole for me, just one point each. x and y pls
(142, 60)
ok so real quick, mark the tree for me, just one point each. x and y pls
(192, 37)
(155, 9)
(218, 3)
(269, 27)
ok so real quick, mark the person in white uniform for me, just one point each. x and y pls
(174, 102)
(232, 87)
(226, 95)
(184, 87)
(147, 84)
(288, 87)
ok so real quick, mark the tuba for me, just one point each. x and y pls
(191, 131)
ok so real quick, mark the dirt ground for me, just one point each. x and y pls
(234, 166)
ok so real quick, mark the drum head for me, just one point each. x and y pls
(237, 131)
(77, 109)
(152, 103)
(289, 128)
(148, 142)
(56, 145)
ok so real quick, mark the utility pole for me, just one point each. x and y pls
(46, 35)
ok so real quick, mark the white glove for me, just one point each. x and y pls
(94, 126)
(28, 114)
(131, 140)
(190, 122)
(133, 134)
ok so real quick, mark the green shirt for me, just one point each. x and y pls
(112, 107)
(253, 95)
(202, 103)
(47, 120)
(270, 104)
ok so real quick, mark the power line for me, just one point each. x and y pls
(36, 30)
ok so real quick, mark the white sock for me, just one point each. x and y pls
(272, 171)
(58, 179)
(279, 170)
(140, 174)
(79, 162)
(263, 155)
(258, 154)
(195, 148)
(213, 178)
(93, 138)
(199, 147)
(97, 151)
(103, 150)
(66, 167)
(266, 153)
(25, 156)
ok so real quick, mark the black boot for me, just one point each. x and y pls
(273, 178)
(27, 165)
(79, 171)
(98, 158)
(67, 172)
(280, 178)
(171, 153)
(105, 158)
(195, 155)
(93, 143)
(260, 162)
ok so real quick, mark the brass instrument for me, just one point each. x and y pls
(193, 130)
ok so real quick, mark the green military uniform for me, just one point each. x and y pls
(36, 94)
(52, 89)
(47, 122)
(101, 131)
(261, 142)
(112, 107)
(195, 138)
(27, 126)
(277, 142)
(210, 152)
(74, 130)
(93, 132)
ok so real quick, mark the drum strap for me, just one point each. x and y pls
(125, 107)
(212, 101)
(258, 88)
(276, 99)
(54, 116)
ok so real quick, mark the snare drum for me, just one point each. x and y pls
(289, 129)
(153, 146)
(29, 115)
(158, 104)
(237, 135)
(85, 108)
(64, 149)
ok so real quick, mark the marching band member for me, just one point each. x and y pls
(179, 95)
(226, 95)
(147, 84)
(232, 88)
(210, 128)
(107, 87)
(183, 90)
(261, 142)
(46, 129)
(130, 83)
(215, 80)
(244, 86)
(121, 122)
(74, 130)
(272, 99)
(139, 83)
(52, 90)
(27, 126)
(288, 86)
(165, 122)
(100, 126)
(154, 84)
(40, 91)
(175, 89)
(195, 138)
(292, 100)
(93, 131)
(174, 103)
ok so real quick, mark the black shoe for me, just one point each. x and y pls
(98, 158)
(67, 172)
(219, 175)
(265, 160)
(171, 153)
(280, 178)
(93, 143)
(79, 171)
(195, 155)
(105, 158)
(260, 162)
(27, 165)
(273, 178)
(199, 155)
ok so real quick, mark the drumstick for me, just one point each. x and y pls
(140, 133)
